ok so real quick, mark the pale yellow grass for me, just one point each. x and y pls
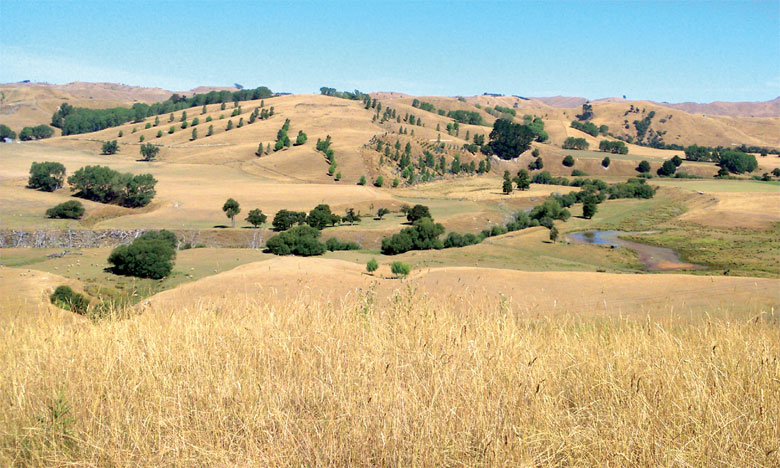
(413, 382)
(755, 210)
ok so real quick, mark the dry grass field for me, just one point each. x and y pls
(414, 381)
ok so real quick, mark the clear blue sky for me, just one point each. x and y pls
(665, 51)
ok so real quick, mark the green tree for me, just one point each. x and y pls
(400, 269)
(677, 160)
(381, 212)
(554, 234)
(568, 161)
(301, 138)
(171, 130)
(507, 187)
(362, 180)
(6, 132)
(522, 180)
(418, 212)
(338, 176)
(144, 258)
(194, 134)
(508, 140)
(256, 217)
(372, 266)
(285, 219)
(644, 167)
(159, 133)
(667, 169)
(606, 161)
(71, 209)
(110, 147)
(379, 181)
(149, 151)
(351, 216)
(211, 131)
(229, 125)
(589, 206)
(47, 176)
(231, 209)
(321, 217)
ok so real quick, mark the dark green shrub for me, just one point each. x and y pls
(65, 298)
(149, 257)
(71, 209)
(568, 161)
(334, 244)
(299, 240)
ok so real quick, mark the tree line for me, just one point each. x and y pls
(76, 120)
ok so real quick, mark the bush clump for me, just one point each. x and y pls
(334, 244)
(299, 240)
(105, 185)
(71, 209)
(150, 255)
(66, 298)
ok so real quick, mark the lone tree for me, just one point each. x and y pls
(372, 266)
(507, 186)
(381, 212)
(149, 151)
(400, 269)
(644, 167)
(231, 209)
(568, 161)
(606, 161)
(110, 147)
(417, 212)
(589, 207)
(553, 234)
(47, 176)
(523, 180)
(256, 217)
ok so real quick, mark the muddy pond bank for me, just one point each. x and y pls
(652, 257)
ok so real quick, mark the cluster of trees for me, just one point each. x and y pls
(521, 180)
(508, 140)
(355, 95)
(74, 120)
(587, 112)
(575, 143)
(614, 147)
(643, 125)
(38, 132)
(733, 160)
(669, 167)
(426, 106)
(300, 232)
(110, 147)
(47, 176)
(105, 185)
(466, 117)
(282, 140)
(738, 162)
(6, 132)
(588, 127)
(150, 255)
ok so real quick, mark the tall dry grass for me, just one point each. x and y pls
(410, 384)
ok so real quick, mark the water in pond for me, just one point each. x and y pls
(652, 257)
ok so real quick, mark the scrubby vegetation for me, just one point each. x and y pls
(105, 185)
(615, 147)
(71, 209)
(575, 143)
(66, 298)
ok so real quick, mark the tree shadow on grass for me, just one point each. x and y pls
(221, 226)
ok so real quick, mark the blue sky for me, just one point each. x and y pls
(665, 51)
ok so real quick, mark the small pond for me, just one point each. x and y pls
(652, 257)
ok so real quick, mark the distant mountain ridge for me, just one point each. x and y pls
(731, 109)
